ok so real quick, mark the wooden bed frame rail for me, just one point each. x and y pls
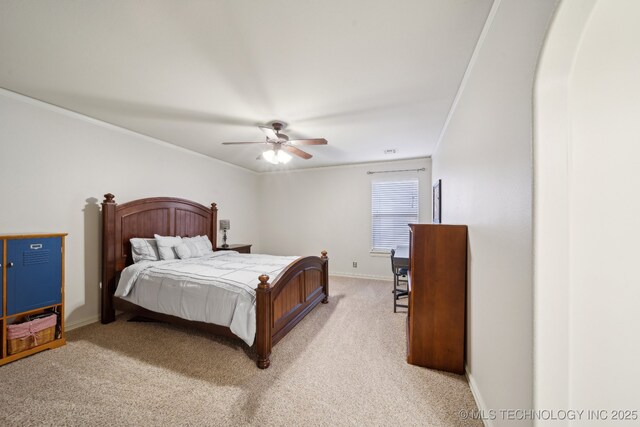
(280, 305)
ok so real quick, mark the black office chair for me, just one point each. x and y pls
(400, 278)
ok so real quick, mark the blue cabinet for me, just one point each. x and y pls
(1, 275)
(34, 273)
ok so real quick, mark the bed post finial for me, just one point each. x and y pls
(263, 321)
(108, 198)
(214, 207)
(325, 277)
(264, 281)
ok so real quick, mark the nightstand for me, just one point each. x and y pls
(240, 247)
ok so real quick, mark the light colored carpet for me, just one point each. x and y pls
(344, 364)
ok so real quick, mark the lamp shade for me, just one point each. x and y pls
(276, 156)
(225, 224)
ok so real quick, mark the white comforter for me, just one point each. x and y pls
(218, 288)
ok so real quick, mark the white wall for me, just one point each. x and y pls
(600, 178)
(306, 211)
(55, 167)
(551, 206)
(484, 159)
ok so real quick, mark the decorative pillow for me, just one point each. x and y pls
(166, 246)
(183, 251)
(192, 245)
(205, 245)
(144, 249)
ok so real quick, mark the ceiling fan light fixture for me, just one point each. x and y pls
(281, 146)
(276, 156)
(283, 157)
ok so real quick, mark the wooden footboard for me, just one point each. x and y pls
(285, 302)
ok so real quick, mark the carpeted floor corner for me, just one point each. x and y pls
(344, 364)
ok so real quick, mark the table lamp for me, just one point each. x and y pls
(225, 225)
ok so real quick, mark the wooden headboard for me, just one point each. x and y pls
(166, 216)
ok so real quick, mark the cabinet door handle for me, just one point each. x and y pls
(9, 265)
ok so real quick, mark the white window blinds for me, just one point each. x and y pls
(394, 204)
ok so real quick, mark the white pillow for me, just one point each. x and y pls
(193, 244)
(166, 246)
(144, 249)
(183, 251)
(206, 245)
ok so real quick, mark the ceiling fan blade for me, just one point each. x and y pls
(298, 152)
(271, 134)
(232, 143)
(315, 141)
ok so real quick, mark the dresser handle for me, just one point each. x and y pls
(9, 265)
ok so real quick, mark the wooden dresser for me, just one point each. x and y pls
(437, 296)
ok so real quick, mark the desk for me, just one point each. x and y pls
(402, 256)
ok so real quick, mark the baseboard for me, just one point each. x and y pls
(362, 276)
(69, 326)
(482, 408)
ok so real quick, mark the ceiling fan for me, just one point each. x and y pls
(280, 144)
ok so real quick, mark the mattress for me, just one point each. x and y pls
(218, 288)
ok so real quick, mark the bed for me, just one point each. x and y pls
(280, 302)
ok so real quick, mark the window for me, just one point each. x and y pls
(394, 204)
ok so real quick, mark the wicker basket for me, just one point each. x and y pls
(26, 335)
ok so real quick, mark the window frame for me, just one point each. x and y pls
(414, 216)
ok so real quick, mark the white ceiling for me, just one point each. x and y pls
(367, 75)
